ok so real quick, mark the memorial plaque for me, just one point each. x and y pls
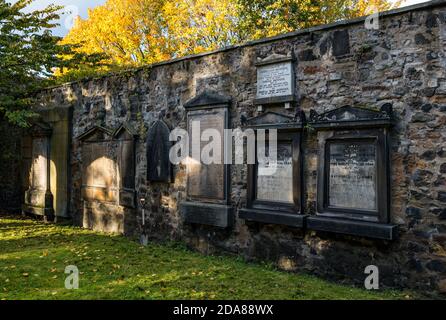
(352, 176)
(206, 181)
(353, 189)
(274, 80)
(276, 185)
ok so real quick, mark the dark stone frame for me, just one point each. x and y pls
(127, 193)
(276, 59)
(289, 130)
(375, 137)
(348, 124)
(205, 211)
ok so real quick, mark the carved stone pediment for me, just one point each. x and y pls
(40, 129)
(125, 132)
(275, 58)
(207, 98)
(96, 133)
(272, 120)
(352, 116)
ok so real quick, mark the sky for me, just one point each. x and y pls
(77, 7)
(80, 7)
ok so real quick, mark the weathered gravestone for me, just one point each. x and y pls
(99, 171)
(38, 196)
(108, 177)
(159, 167)
(125, 138)
(275, 186)
(207, 184)
(353, 172)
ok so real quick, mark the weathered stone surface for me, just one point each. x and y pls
(341, 42)
(442, 196)
(413, 212)
(420, 39)
(436, 265)
(442, 286)
(307, 55)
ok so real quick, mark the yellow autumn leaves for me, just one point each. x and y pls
(137, 32)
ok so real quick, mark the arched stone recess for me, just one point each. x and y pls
(36, 162)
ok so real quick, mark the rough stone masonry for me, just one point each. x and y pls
(401, 63)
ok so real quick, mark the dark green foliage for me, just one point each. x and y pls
(28, 55)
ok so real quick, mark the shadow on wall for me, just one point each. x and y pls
(10, 186)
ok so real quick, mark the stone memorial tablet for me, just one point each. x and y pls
(276, 185)
(352, 176)
(207, 174)
(38, 197)
(274, 80)
(99, 176)
(206, 181)
(39, 164)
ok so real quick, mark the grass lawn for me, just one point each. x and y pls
(33, 257)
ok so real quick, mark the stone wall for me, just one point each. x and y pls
(402, 63)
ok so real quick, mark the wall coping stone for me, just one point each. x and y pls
(338, 24)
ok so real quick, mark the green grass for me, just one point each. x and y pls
(33, 257)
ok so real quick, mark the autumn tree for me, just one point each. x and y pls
(194, 26)
(138, 32)
(264, 18)
(128, 31)
(28, 55)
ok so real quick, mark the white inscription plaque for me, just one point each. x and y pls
(277, 187)
(274, 80)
